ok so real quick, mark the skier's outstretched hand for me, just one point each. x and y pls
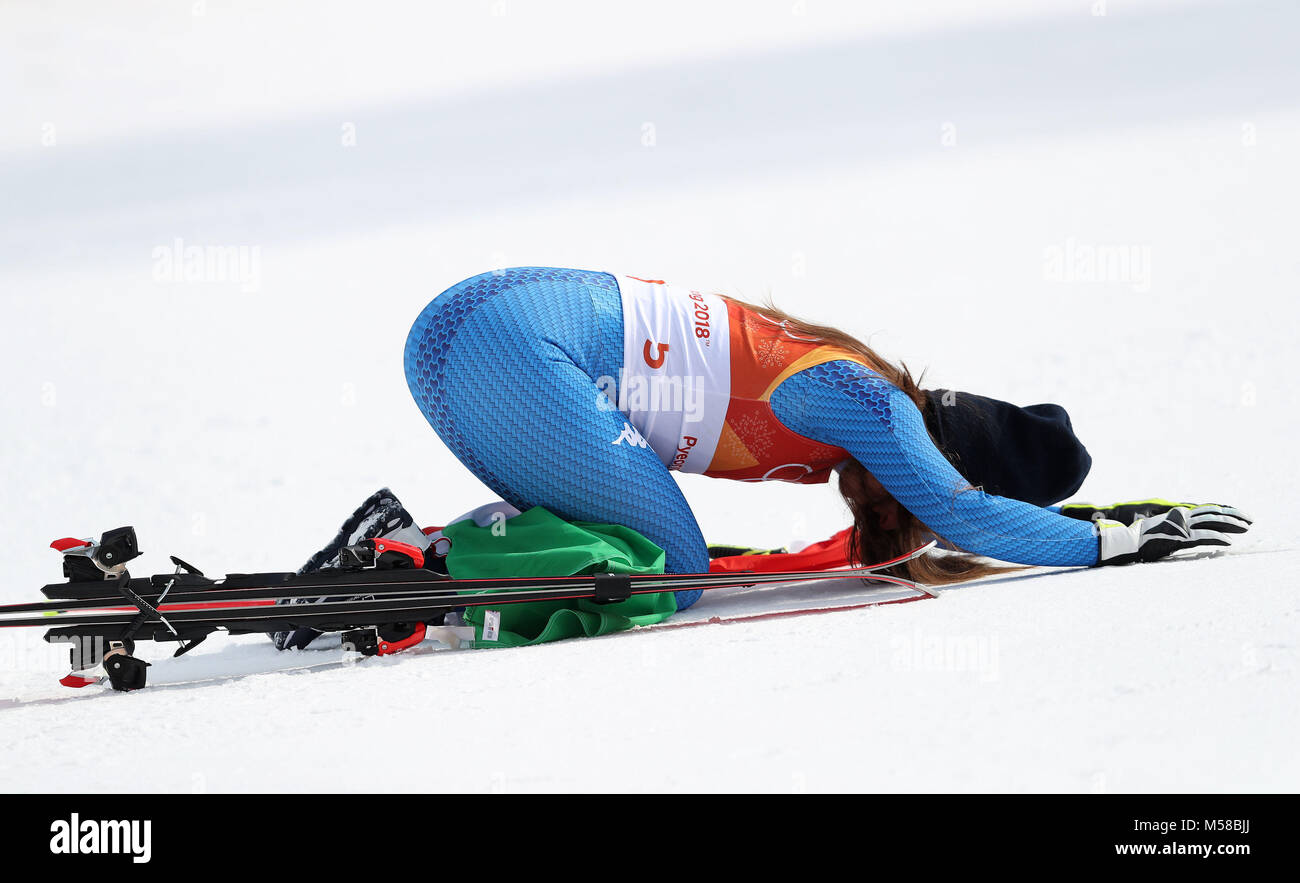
(1127, 513)
(1178, 528)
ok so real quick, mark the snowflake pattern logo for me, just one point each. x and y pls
(820, 453)
(771, 353)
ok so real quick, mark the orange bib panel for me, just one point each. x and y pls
(754, 445)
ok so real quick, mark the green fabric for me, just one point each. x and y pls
(539, 543)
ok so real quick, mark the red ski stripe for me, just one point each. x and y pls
(168, 608)
(213, 605)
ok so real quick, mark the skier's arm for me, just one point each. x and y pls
(847, 405)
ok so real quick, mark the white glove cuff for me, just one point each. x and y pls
(1117, 540)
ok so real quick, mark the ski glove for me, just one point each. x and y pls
(1158, 536)
(1127, 513)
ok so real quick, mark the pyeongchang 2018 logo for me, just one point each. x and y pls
(78, 836)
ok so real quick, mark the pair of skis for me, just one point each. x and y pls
(383, 599)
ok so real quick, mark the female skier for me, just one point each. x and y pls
(583, 391)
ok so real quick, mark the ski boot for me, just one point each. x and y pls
(359, 545)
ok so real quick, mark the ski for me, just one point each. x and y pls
(383, 598)
(198, 598)
(446, 639)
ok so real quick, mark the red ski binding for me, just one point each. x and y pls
(380, 554)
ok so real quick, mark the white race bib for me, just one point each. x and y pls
(676, 383)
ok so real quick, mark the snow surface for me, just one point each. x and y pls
(909, 173)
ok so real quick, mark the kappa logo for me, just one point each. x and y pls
(631, 436)
(656, 361)
(76, 836)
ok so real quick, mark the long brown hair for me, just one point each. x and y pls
(882, 527)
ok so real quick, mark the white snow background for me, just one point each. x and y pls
(912, 172)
